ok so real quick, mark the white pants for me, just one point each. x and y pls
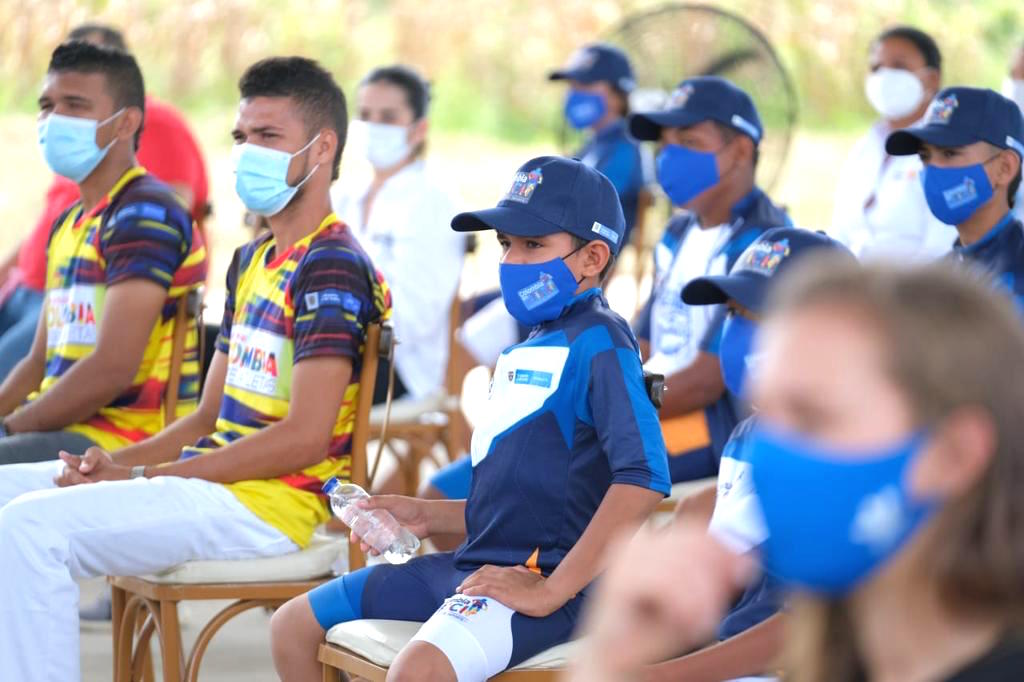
(50, 536)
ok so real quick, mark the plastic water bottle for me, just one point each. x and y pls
(375, 527)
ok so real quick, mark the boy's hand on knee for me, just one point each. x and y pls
(517, 587)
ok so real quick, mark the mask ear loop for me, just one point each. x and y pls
(310, 174)
(105, 122)
(574, 251)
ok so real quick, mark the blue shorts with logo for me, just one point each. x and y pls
(481, 637)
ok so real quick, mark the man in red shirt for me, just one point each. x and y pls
(167, 149)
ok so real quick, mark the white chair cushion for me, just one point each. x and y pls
(415, 410)
(308, 564)
(379, 642)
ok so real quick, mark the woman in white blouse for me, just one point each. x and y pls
(880, 210)
(402, 218)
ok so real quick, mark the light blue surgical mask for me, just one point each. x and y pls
(834, 517)
(261, 177)
(69, 144)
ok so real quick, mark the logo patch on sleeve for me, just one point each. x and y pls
(332, 298)
(533, 377)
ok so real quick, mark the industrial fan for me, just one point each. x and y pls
(677, 41)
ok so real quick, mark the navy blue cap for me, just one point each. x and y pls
(695, 100)
(961, 116)
(552, 194)
(751, 276)
(598, 62)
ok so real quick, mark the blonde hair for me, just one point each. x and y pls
(949, 341)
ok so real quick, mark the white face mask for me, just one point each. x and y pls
(1014, 89)
(383, 145)
(894, 93)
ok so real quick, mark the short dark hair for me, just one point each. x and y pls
(729, 134)
(413, 85)
(924, 43)
(108, 35)
(579, 242)
(119, 69)
(320, 101)
(1011, 191)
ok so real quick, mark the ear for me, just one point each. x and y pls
(323, 150)
(594, 256)
(1005, 168)
(418, 132)
(932, 81)
(127, 124)
(958, 455)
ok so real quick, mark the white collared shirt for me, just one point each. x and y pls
(410, 240)
(880, 210)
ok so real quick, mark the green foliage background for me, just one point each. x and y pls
(486, 58)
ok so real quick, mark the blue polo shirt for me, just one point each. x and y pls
(749, 218)
(1001, 254)
(567, 416)
(612, 152)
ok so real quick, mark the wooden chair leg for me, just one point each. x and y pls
(170, 641)
(118, 598)
(331, 674)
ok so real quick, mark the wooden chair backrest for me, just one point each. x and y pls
(378, 344)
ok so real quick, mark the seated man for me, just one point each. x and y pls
(120, 262)
(166, 149)
(710, 135)
(239, 478)
(569, 456)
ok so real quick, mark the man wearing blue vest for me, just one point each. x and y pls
(710, 134)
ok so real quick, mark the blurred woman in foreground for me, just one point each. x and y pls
(889, 461)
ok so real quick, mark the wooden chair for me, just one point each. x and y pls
(423, 423)
(148, 604)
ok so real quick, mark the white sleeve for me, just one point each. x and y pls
(429, 257)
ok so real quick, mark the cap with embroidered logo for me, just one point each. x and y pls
(751, 276)
(598, 62)
(552, 194)
(961, 116)
(695, 100)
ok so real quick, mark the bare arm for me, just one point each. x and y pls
(8, 263)
(130, 313)
(27, 374)
(694, 387)
(752, 652)
(298, 441)
(166, 446)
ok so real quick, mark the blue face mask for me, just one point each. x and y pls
(261, 177)
(69, 144)
(833, 517)
(734, 352)
(684, 173)
(537, 292)
(584, 109)
(954, 194)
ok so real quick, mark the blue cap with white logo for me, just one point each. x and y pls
(552, 194)
(598, 62)
(750, 278)
(695, 100)
(961, 116)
